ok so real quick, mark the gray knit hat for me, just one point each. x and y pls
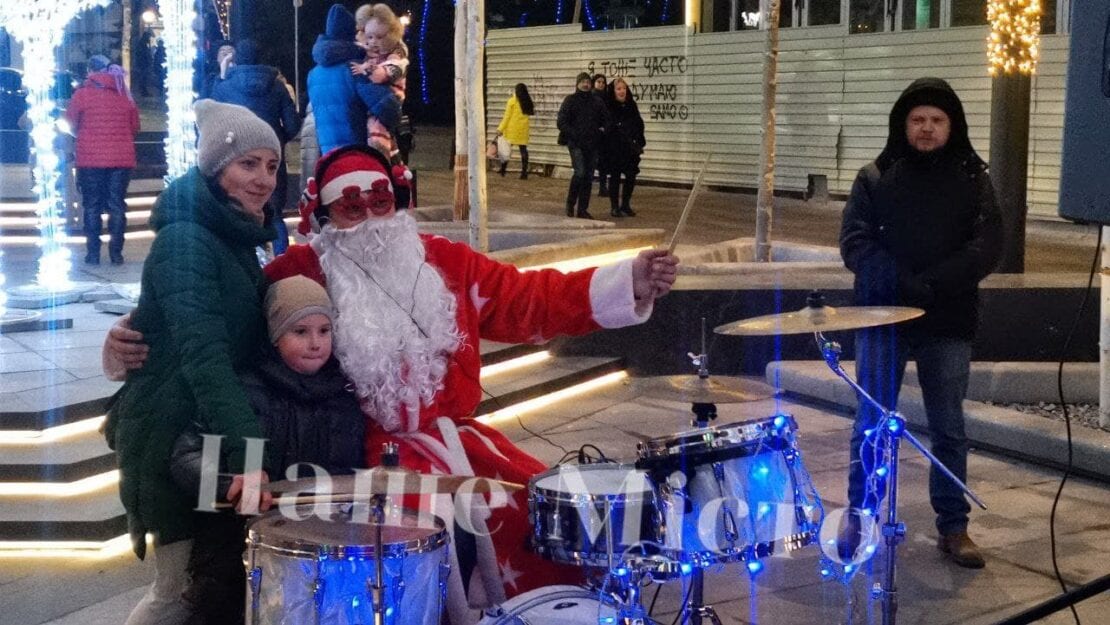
(291, 299)
(228, 131)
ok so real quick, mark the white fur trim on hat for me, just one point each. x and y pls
(364, 179)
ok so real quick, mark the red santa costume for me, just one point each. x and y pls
(412, 308)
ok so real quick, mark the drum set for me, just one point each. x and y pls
(709, 495)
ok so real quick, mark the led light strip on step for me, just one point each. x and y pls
(585, 262)
(24, 438)
(542, 401)
(42, 490)
(515, 363)
(67, 549)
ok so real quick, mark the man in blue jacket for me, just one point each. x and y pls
(341, 101)
(259, 88)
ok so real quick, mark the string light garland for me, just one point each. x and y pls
(39, 25)
(589, 14)
(421, 52)
(223, 13)
(1013, 45)
(180, 40)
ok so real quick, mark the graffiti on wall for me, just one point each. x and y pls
(658, 83)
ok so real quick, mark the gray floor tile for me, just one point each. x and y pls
(24, 361)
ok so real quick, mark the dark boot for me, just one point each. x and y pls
(962, 550)
(504, 166)
(584, 188)
(602, 184)
(626, 196)
(572, 196)
(614, 192)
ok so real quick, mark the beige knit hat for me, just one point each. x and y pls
(292, 299)
(228, 131)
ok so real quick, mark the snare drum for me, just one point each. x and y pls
(592, 514)
(320, 570)
(555, 605)
(733, 492)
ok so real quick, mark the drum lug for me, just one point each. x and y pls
(256, 587)
(318, 596)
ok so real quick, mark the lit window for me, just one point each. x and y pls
(866, 16)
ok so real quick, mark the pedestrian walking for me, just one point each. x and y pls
(921, 228)
(515, 125)
(624, 143)
(581, 121)
(105, 119)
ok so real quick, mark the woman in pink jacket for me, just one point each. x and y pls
(105, 120)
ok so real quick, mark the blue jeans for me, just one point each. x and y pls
(943, 366)
(584, 161)
(103, 191)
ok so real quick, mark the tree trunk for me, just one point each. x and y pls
(765, 199)
(476, 123)
(1009, 162)
(461, 207)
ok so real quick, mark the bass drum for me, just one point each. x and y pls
(555, 605)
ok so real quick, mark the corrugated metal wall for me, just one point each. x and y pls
(702, 92)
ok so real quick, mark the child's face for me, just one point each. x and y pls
(375, 35)
(307, 345)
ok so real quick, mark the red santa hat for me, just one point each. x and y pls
(345, 170)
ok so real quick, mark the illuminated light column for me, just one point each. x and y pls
(178, 17)
(1013, 48)
(39, 25)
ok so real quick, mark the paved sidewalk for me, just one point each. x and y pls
(1013, 532)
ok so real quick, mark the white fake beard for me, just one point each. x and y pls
(396, 325)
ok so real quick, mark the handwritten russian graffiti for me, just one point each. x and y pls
(657, 81)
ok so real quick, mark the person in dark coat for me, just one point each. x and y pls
(258, 88)
(341, 101)
(600, 87)
(624, 143)
(921, 228)
(200, 314)
(308, 415)
(582, 120)
(105, 119)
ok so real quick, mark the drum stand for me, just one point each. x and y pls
(377, 587)
(893, 428)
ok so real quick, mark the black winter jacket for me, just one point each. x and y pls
(624, 138)
(304, 419)
(583, 120)
(923, 229)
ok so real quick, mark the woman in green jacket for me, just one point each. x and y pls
(200, 313)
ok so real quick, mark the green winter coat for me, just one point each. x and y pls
(200, 312)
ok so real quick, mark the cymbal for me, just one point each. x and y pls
(820, 319)
(711, 390)
(393, 482)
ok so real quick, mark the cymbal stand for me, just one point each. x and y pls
(893, 429)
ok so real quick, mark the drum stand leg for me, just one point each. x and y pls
(695, 609)
(893, 430)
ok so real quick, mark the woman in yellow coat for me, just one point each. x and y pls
(515, 127)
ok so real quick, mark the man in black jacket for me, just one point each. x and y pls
(921, 228)
(582, 121)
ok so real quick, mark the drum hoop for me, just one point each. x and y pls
(303, 549)
(710, 439)
(539, 493)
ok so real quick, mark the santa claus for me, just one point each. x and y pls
(411, 310)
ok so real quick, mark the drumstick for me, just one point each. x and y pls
(689, 204)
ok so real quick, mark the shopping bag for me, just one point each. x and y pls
(504, 149)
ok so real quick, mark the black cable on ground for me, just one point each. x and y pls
(1067, 420)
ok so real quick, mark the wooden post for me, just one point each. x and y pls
(476, 122)
(1009, 162)
(765, 198)
(461, 209)
(125, 39)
